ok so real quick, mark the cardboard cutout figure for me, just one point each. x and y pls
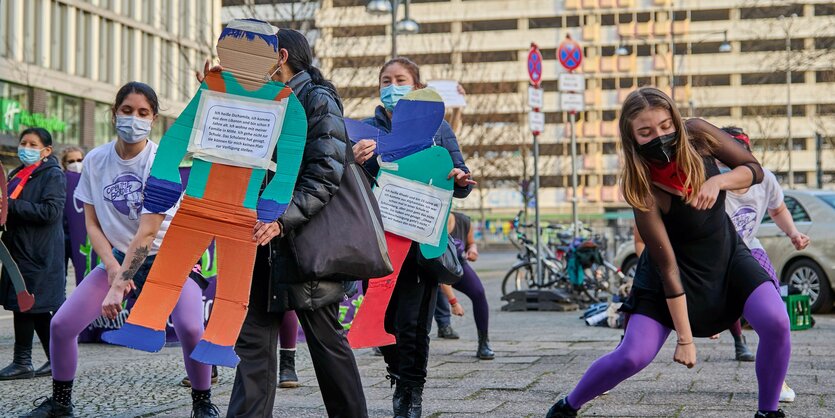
(25, 300)
(231, 127)
(413, 172)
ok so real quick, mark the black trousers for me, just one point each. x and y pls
(409, 318)
(25, 327)
(253, 393)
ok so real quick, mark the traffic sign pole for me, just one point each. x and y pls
(570, 56)
(535, 75)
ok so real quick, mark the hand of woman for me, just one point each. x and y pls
(112, 303)
(264, 233)
(207, 68)
(799, 240)
(462, 178)
(457, 309)
(472, 253)
(707, 195)
(363, 150)
(685, 353)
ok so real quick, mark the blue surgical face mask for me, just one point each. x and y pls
(392, 94)
(132, 129)
(28, 156)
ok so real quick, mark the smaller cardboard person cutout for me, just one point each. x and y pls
(231, 127)
(414, 195)
(25, 300)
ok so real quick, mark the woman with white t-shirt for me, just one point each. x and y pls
(111, 188)
(747, 208)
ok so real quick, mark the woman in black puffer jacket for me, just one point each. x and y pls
(277, 286)
(35, 238)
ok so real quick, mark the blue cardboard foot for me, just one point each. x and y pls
(136, 337)
(219, 355)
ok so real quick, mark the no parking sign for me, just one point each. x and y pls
(535, 65)
(570, 54)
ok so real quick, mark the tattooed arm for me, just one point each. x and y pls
(137, 252)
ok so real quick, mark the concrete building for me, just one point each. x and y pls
(62, 61)
(292, 14)
(627, 43)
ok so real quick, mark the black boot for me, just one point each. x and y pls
(50, 409)
(742, 351)
(287, 369)
(447, 333)
(45, 370)
(561, 409)
(412, 400)
(770, 414)
(484, 351)
(397, 397)
(21, 367)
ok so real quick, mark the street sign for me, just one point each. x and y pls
(536, 121)
(572, 102)
(535, 65)
(536, 97)
(570, 54)
(572, 82)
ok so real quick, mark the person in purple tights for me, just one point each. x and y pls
(696, 275)
(111, 188)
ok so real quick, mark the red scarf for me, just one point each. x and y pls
(19, 180)
(668, 175)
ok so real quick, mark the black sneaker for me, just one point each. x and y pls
(49, 409)
(770, 414)
(186, 382)
(561, 409)
(204, 409)
(447, 333)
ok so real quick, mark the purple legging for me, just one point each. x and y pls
(470, 285)
(644, 337)
(84, 305)
(288, 332)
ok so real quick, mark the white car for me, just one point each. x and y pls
(811, 270)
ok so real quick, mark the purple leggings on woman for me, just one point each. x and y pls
(762, 258)
(644, 337)
(84, 306)
(288, 333)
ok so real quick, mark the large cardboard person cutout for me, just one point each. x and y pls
(231, 127)
(414, 195)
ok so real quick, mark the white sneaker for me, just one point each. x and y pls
(786, 394)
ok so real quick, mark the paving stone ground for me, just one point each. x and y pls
(539, 357)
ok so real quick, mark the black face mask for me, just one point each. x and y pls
(661, 149)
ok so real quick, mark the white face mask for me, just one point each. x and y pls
(74, 167)
(132, 129)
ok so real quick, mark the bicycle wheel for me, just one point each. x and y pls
(520, 277)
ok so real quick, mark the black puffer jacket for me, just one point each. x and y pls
(319, 176)
(35, 238)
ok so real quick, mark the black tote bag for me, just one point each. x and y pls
(345, 240)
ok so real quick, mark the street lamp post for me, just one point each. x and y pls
(405, 26)
(789, 145)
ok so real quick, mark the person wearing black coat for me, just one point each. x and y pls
(35, 239)
(409, 313)
(277, 285)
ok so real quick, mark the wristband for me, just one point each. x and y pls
(453, 301)
(687, 343)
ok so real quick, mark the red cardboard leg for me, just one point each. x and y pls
(367, 328)
(25, 301)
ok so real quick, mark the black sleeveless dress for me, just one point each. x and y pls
(716, 269)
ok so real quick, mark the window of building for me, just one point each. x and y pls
(545, 22)
(57, 38)
(711, 80)
(609, 115)
(436, 27)
(489, 25)
(491, 88)
(68, 110)
(489, 56)
(769, 45)
(773, 111)
(626, 83)
(14, 98)
(824, 43)
(359, 92)
(572, 21)
(771, 78)
(713, 111)
(356, 62)
(709, 15)
(554, 117)
(825, 109)
(644, 50)
(705, 48)
(608, 84)
(645, 81)
(103, 124)
(357, 31)
(431, 59)
(607, 20)
(625, 18)
(824, 9)
(494, 118)
(770, 12)
(30, 31)
(644, 17)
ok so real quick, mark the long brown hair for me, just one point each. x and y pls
(635, 177)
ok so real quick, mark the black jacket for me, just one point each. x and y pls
(319, 176)
(35, 238)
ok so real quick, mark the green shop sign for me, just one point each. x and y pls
(13, 116)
